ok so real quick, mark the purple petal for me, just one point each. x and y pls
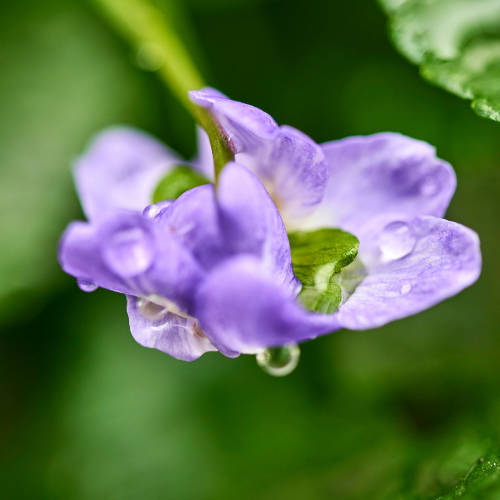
(194, 221)
(293, 169)
(128, 253)
(420, 262)
(252, 224)
(290, 164)
(120, 171)
(382, 177)
(79, 256)
(153, 325)
(243, 124)
(242, 308)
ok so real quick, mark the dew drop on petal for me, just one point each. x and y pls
(279, 361)
(128, 252)
(396, 240)
(429, 187)
(405, 288)
(86, 285)
(151, 211)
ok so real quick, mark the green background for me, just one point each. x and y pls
(86, 413)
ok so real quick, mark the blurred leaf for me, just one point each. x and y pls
(134, 423)
(317, 256)
(212, 5)
(481, 481)
(177, 181)
(63, 78)
(456, 43)
(152, 32)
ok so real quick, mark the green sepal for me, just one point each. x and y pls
(317, 258)
(176, 182)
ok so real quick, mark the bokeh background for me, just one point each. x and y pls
(86, 413)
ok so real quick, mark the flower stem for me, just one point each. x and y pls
(151, 33)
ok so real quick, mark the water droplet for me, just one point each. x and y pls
(405, 288)
(151, 211)
(150, 57)
(429, 187)
(396, 240)
(128, 252)
(86, 285)
(279, 361)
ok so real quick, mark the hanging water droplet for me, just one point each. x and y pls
(279, 361)
(86, 285)
(396, 240)
(405, 288)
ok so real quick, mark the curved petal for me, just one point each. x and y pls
(120, 171)
(289, 163)
(293, 169)
(126, 253)
(194, 221)
(384, 177)
(241, 308)
(252, 224)
(244, 125)
(420, 263)
(80, 257)
(156, 327)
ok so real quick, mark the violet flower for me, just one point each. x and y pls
(189, 267)
(212, 270)
(389, 190)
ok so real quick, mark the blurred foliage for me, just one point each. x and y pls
(176, 182)
(480, 480)
(405, 412)
(59, 69)
(456, 43)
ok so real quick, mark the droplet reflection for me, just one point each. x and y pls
(396, 240)
(151, 211)
(86, 286)
(279, 361)
(429, 187)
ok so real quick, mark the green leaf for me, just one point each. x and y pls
(317, 258)
(178, 180)
(482, 478)
(456, 43)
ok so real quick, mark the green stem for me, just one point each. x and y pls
(152, 35)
